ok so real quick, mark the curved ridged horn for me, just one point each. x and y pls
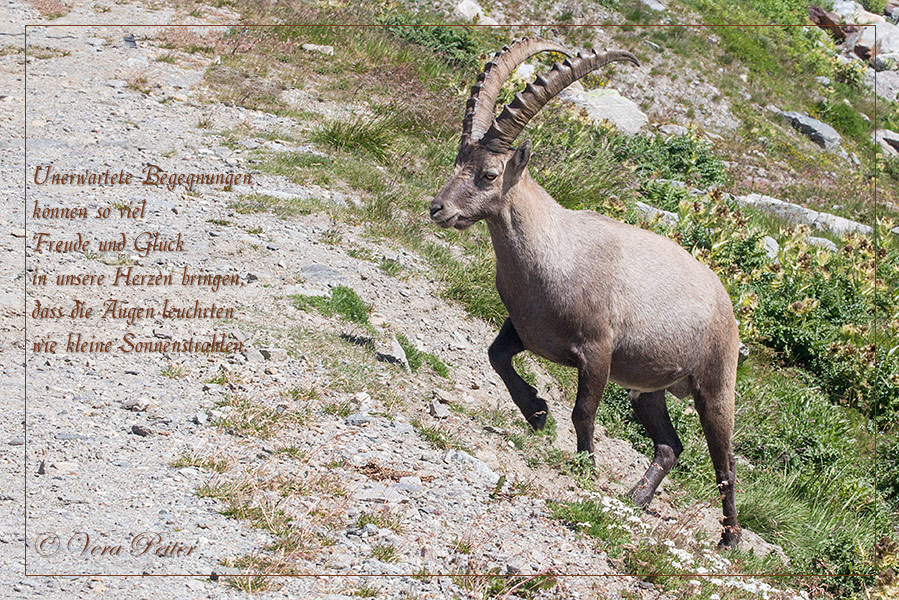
(526, 104)
(482, 101)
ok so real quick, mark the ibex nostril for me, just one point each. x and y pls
(436, 208)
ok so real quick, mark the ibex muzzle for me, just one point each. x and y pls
(614, 301)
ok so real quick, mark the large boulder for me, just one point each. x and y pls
(828, 21)
(649, 213)
(820, 133)
(872, 39)
(469, 10)
(887, 84)
(847, 9)
(793, 213)
(838, 225)
(861, 42)
(888, 141)
(606, 104)
(654, 5)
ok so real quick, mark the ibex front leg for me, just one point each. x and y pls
(506, 345)
(593, 374)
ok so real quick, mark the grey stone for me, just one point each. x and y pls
(823, 80)
(477, 465)
(887, 86)
(359, 419)
(443, 396)
(141, 430)
(673, 130)
(514, 566)
(654, 5)
(820, 133)
(784, 210)
(67, 466)
(240, 336)
(389, 350)
(253, 355)
(378, 494)
(469, 10)
(772, 248)
(274, 354)
(319, 273)
(438, 410)
(650, 212)
(888, 141)
(402, 427)
(794, 213)
(821, 243)
(525, 71)
(607, 104)
(847, 9)
(886, 61)
(326, 50)
(839, 225)
(135, 404)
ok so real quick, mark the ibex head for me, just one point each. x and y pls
(486, 165)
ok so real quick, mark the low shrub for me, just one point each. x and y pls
(684, 157)
(455, 44)
(844, 118)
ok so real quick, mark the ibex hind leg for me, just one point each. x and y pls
(652, 412)
(715, 405)
(506, 345)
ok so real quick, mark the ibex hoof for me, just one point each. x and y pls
(730, 538)
(538, 420)
(641, 494)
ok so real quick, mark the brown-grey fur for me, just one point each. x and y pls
(614, 301)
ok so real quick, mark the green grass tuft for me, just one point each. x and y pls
(343, 302)
(374, 136)
(417, 358)
(589, 518)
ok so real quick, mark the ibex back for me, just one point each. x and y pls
(614, 301)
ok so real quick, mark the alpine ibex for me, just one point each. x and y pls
(614, 301)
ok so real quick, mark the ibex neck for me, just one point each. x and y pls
(527, 225)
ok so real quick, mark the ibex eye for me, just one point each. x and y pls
(490, 175)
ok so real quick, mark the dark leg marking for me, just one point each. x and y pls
(506, 345)
(652, 412)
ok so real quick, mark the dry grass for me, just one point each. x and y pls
(51, 9)
(246, 417)
(270, 503)
(217, 463)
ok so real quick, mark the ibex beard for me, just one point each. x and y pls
(616, 302)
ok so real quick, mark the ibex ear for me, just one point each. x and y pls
(520, 159)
